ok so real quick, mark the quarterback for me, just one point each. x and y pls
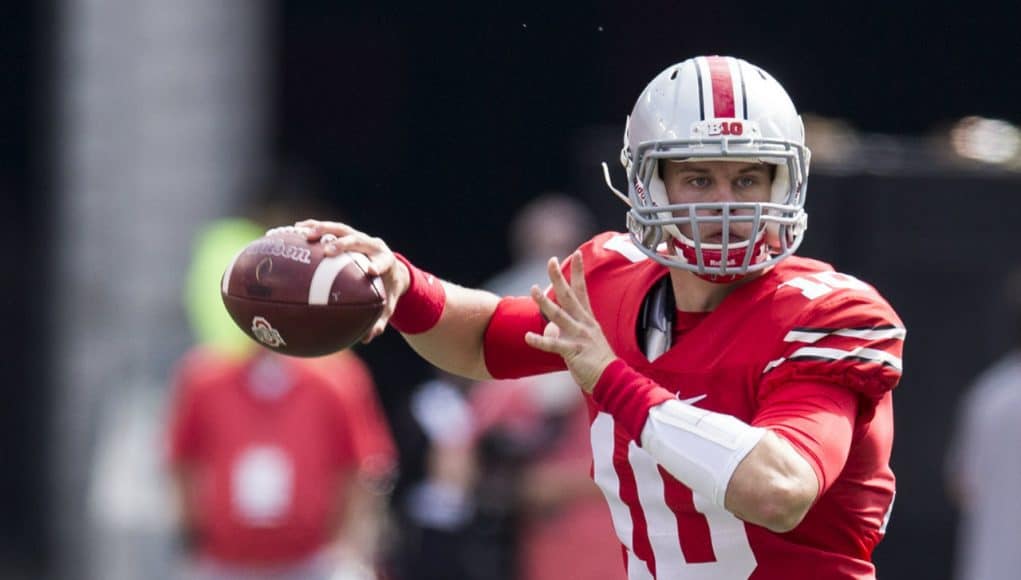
(740, 396)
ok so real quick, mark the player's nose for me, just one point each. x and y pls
(722, 193)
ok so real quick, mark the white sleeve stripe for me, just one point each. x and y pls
(863, 333)
(773, 365)
(838, 354)
(835, 354)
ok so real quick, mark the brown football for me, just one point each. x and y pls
(284, 293)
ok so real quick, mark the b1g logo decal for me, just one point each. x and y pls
(266, 334)
(718, 127)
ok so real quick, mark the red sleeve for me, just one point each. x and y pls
(506, 353)
(851, 338)
(817, 419)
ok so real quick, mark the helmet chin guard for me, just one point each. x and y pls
(715, 109)
(726, 256)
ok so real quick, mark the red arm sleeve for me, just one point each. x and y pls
(817, 419)
(506, 353)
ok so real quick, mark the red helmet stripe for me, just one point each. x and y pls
(723, 86)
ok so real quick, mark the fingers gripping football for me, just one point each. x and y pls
(572, 331)
(339, 238)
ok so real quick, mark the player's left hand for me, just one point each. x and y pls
(572, 331)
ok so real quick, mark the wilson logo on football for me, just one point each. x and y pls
(277, 247)
(266, 334)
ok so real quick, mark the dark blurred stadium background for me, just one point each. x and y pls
(125, 125)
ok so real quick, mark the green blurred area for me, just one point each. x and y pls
(213, 250)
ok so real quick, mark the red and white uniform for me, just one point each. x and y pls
(802, 350)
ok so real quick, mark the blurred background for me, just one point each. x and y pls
(127, 126)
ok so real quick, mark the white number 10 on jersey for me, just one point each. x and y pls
(821, 283)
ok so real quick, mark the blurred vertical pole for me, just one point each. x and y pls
(162, 116)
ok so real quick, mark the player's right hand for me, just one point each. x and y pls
(338, 238)
(573, 331)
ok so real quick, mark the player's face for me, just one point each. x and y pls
(717, 182)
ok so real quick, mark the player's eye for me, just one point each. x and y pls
(747, 181)
(699, 181)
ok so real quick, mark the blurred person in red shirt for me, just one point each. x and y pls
(281, 464)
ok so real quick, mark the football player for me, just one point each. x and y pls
(740, 396)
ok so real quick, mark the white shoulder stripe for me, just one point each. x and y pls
(623, 245)
(811, 336)
(322, 280)
(835, 354)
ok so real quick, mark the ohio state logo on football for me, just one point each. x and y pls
(266, 334)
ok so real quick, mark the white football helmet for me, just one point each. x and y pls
(721, 109)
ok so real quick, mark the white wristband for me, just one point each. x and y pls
(700, 448)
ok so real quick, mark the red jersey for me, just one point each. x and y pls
(269, 468)
(802, 350)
